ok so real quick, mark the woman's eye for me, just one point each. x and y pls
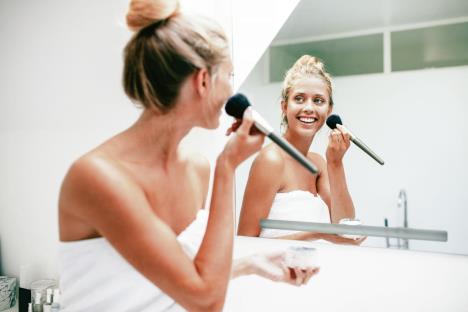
(319, 101)
(299, 99)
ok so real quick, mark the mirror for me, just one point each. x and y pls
(399, 84)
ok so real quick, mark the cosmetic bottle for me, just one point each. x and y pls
(40, 287)
(56, 301)
(37, 306)
(47, 307)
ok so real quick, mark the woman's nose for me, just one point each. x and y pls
(308, 106)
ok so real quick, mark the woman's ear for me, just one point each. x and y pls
(202, 81)
(330, 110)
(330, 105)
(284, 106)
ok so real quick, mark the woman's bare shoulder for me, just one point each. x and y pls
(317, 159)
(197, 162)
(94, 176)
(94, 188)
(270, 157)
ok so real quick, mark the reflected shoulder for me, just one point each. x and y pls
(317, 159)
(269, 157)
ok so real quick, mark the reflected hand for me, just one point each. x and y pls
(273, 266)
(339, 141)
(338, 239)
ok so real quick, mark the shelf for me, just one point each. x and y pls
(363, 230)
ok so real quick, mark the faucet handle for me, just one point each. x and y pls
(387, 240)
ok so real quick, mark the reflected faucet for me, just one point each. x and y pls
(402, 210)
(402, 207)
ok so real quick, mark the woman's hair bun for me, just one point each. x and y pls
(142, 13)
(310, 62)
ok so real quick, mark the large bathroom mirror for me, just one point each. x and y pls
(400, 76)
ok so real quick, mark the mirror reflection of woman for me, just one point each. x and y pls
(280, 188)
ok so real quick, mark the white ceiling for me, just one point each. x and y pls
(315, 18)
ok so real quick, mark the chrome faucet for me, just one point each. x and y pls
(402, 211)
(402, 207)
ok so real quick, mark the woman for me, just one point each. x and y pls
(133, 234)
(295, 194)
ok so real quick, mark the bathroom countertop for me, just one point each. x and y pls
(356, 279)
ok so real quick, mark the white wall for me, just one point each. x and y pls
(61, 95)
(415, 121)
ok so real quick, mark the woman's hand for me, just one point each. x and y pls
(246, 141)
(338, 144)
(272, 265)
(338, 239)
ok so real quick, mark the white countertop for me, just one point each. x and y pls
(356, 279)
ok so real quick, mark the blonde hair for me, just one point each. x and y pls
(306, 66)
(167, 47)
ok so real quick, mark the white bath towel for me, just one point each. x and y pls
(95, 277)
(296, 205)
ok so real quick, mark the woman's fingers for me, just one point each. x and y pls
(300, 276)
(272, 266)
(309, 273)
(338, 239)
(339, 143)
(355, 241)
(360, 240)
(346, 135)
(335, 137)
(246, 123)
(340, 138)
(235, 125)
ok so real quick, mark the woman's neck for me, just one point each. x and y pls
(153, 139)
(300, 142)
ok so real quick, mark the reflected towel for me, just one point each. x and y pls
(296, 205)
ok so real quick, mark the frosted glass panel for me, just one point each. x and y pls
(437, 46)
(342, 57)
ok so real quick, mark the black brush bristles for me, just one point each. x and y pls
(236, 105)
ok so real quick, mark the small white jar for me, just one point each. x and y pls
(302, 257)
(348, 221)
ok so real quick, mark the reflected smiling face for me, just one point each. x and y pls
(307, 106)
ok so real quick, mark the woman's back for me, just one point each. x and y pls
(188, 177)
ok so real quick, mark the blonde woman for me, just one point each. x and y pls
(133, 234)
(295, 194)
